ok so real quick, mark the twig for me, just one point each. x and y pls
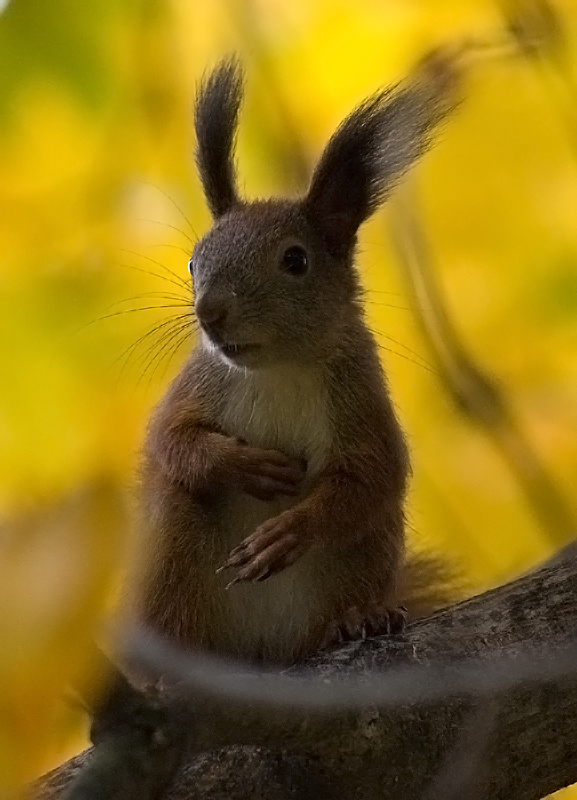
(472, 389)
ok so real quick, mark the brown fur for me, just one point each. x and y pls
(276, 456)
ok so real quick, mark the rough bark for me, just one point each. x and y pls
(488, 700)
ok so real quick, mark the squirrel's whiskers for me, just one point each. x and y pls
(274, 472)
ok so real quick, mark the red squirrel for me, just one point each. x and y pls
(275, 471)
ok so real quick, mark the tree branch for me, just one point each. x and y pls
(479, 698)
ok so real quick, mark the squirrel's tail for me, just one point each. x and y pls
(427, 584)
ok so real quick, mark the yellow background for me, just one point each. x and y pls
(95, 163)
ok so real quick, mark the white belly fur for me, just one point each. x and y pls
(283, 409)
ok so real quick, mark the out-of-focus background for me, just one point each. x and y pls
(100, 206)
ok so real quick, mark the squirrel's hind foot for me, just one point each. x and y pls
(360, 624)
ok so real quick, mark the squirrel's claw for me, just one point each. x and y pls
(271, 548)
(356, 624)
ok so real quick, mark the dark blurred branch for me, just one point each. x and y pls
(474, 391)
(296, 160)
(522, 746)
(138, 740)
(535, 26)
(539, 31)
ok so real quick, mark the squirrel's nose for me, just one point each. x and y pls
(212, 311)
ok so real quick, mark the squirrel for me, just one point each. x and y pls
(274, 472)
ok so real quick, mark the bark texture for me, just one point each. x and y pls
(480, 698)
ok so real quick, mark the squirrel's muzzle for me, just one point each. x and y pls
(214, 311)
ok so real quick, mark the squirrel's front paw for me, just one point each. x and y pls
(275, 545)
(267, 473)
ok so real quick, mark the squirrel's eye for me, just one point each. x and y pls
(190, 265)
(295, 260)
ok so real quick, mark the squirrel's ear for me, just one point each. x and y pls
(371, 150)
(215, 122)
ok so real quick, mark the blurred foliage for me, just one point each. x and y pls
(96, 190)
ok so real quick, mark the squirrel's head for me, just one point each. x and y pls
(274, 280)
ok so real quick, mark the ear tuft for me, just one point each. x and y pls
(369, 153)
(215, 122)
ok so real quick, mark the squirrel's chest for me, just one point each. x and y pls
(284, 409)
